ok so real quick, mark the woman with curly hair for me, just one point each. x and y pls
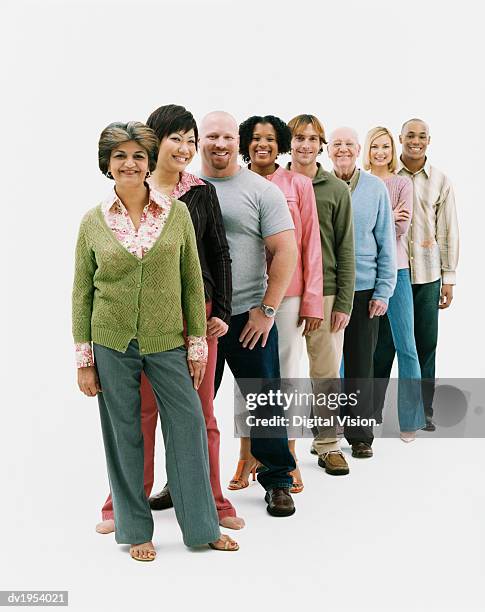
(262, 139)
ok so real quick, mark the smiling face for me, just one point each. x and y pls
(219, 144)
(176, 151)
(263, 148)
(343, 149)
(415, 139)
(129, 164)
(305, 145)
(380, 151)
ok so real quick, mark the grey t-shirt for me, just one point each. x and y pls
(252, 209)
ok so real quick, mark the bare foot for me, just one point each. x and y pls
(143, 552)
(224, 543)
(232, 522)
(106, 526)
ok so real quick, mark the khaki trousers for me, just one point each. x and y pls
(325, 350)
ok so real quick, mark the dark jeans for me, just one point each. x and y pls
(360, 341)
(258, 363)
(425, 300)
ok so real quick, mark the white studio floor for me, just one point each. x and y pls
(404, 531)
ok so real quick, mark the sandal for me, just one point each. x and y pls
(297, 486)
(152, 553)
(230, 545)
(408, 436)
(238, 481)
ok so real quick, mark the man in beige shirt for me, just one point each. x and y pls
(433, 254)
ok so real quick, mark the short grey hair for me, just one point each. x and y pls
(117, 133)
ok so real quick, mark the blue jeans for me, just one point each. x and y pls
(261, 363)
(397, 328)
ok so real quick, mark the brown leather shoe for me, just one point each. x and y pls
(361, 450)
(430, 426)
(334, 463)
(162, 500)
(279, 502)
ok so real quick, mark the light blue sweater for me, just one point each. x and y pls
(375, 238)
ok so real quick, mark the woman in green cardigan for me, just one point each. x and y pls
(137, 277)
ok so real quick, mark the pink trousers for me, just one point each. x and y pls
(149, 417)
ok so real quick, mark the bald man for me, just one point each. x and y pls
(256, 217)
(433, 247)
(375, 277)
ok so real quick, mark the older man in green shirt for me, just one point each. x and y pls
(334, 208)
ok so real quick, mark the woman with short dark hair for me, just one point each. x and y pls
(137, 277)
(177, 132)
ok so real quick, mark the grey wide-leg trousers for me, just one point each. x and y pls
(185, 438)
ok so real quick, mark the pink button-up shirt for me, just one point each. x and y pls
(307, 280)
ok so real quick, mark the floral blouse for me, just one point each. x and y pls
(186, 182)
(138, 243)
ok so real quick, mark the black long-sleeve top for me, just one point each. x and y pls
(215, 260)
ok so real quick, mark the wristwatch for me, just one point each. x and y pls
(268, 311)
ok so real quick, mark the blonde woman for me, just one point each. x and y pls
(381, 159)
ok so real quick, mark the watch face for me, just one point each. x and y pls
(269, 311)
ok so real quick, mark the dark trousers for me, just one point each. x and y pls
(258, 363)
(425, 300)
(360, 341)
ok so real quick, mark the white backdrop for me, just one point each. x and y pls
(70, 68)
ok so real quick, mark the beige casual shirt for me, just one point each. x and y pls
(433, 242)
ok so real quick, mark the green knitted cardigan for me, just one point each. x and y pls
(118, 297)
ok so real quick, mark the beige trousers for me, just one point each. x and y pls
(325, 349)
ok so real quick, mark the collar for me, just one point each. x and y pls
(269, 177)
(154, 197)
(278, 170)
(220, 179)
(354, 179)
(319, 177)
(186, 182)
(426, 168)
